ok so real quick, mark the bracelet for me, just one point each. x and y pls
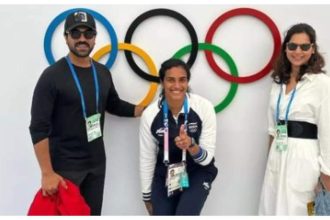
(193, 142)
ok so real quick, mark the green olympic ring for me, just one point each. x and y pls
(229, 61)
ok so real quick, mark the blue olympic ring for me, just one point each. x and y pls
(61, 17)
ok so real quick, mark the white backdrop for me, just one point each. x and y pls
(242, 127)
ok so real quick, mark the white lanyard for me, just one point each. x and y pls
(166, 129)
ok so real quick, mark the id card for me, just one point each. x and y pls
(281, 137)
(93, 127)
(177, 178)
(184, 180)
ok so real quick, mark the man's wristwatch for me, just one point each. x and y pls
(193, 143)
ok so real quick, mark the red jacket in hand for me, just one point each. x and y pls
(66, 202)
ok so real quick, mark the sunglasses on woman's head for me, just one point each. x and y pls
(294, 46)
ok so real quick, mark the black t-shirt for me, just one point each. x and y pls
(57, 114)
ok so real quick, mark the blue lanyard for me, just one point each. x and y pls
(76, 80)
(287, 108)
(166, 132)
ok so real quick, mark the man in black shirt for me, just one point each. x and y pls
(67, 115)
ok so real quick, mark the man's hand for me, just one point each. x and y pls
(50, 182)
(138, 110)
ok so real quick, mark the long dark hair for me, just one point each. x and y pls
(168, 64)
(282, 66)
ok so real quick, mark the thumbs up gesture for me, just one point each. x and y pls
(183, 141)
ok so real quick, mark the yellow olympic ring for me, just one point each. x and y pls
(146, 58)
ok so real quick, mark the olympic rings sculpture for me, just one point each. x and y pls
(191, 49)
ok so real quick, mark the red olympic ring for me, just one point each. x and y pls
(265, 19)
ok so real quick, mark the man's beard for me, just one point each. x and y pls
(79, 53)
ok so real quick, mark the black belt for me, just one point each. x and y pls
(301, 129)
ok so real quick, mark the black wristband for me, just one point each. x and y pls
(193, 143)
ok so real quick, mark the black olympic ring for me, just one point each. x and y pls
(156, 12)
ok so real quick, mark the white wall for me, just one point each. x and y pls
(242, 127)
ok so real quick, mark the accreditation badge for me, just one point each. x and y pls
(177, 178)
(281, 137)
(93, 127)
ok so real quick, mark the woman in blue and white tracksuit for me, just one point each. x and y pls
(180, 128)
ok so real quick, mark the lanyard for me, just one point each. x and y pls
(76, 80)
(287, 108)
(166, 129)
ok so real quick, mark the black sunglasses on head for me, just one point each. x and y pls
(294, 46)
(76, 34)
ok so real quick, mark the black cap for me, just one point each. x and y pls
(79, 18)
